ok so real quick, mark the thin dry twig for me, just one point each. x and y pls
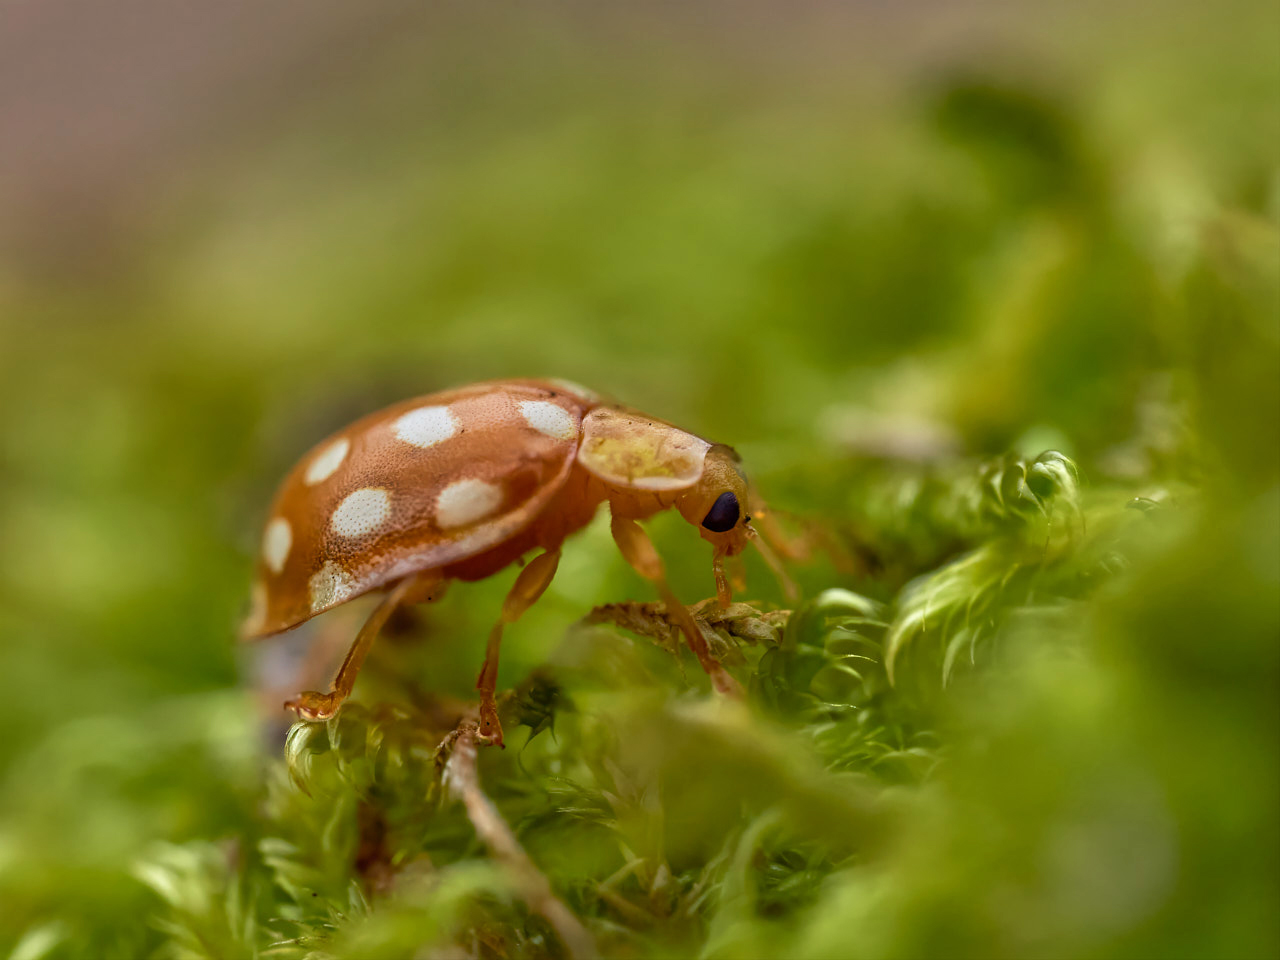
(721, 627)
(462, 781)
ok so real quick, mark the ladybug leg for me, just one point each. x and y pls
(789, 588)
(313, 705)
(639, 551)
(529, 586)
(798, 547)
(724, 593)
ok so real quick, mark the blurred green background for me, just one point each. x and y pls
(892, 253)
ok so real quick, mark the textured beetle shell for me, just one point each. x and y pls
(416, 486)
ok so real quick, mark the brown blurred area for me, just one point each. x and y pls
(106, 108)
(110, 114)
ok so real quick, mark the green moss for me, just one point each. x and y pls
(1003, 354)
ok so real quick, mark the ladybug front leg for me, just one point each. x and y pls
(313, 705)
(529, 586)
(640, 552)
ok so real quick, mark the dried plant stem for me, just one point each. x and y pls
(462, 780)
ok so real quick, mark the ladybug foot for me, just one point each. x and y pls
(313, 705)
(490, 729)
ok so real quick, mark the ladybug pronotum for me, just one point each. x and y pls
(458, 485)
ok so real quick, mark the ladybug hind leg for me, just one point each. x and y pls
(314, 705)
(529, 586)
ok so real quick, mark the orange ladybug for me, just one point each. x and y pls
(459, 484)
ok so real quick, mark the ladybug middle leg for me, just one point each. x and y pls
(529, 586)
(314, 705)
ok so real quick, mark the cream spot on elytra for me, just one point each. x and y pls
(276, 541)
(426, 426)
(327, 461)
(330, 585)
(361, 511)
(549, 418)
(466, 501)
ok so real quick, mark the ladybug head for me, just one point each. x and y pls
(719, 503)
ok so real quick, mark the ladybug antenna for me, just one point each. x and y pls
(791, 548)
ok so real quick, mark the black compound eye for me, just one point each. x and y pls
(724, 513)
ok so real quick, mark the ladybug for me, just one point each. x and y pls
(458, 485)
